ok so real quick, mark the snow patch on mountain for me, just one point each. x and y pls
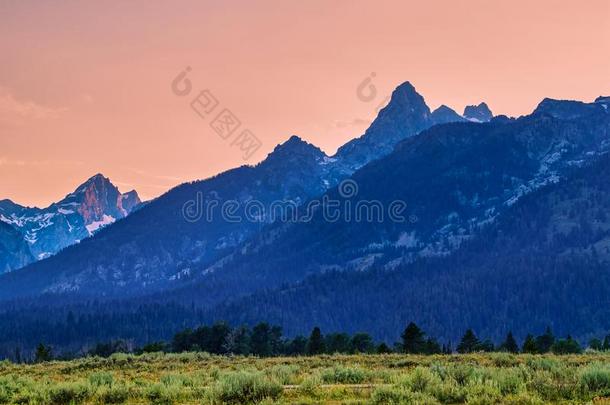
(96, 225)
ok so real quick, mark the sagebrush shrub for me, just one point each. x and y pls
(421, 380)
(243, 387)
(68, 393)
(284, 374)
(99, 379)
(115, 394)
(344, 375)
(595, 378)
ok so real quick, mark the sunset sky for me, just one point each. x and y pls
(86, 88)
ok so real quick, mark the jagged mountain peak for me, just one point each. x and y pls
(445, 114)
(480, 112)
(405, 88)
(100, 202)
(405, 115)
(45, 231)
(443, 108)
(405, 99)
(293, 147)
(95, 180)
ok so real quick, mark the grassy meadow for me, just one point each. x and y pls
(199, 378)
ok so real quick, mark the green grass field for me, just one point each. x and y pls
(198, 378)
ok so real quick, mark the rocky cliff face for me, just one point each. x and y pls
(478, 113)
(93, 205)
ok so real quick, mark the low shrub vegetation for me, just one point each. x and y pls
(198, 378)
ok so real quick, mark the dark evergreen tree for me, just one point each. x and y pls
(275, 340)
(529, 345)
(485, 346)
(510, 344)
(108, 348)
(382, 348)
(260, 340)
(315, 345)
(413, 339)
(338, 343)
(596, 344)
(362, 343)
(201, 339)
(297, 346)
(217, 339)
(545, 341)
(182, 341)
(43, 353)
(469, 342)
(153, 347)
(566, 346)
(431, 346)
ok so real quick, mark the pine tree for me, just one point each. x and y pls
(316, 342)
(297, 346)
(510, 345)
(545, 341)
(338, 343)
(469, 342)
(529, 345)
(596, 344)
(432, 346)
(43, 353)
(566, 346)
(413, 339)
(383, 348)
(260, 342)
(362, 343)
(485, 346)
(275, 340)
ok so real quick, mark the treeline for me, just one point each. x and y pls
(266, 340)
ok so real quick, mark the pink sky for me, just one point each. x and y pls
(85, 88)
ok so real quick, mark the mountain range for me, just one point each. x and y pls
(29, 234)
(159, 247)
(503, 225)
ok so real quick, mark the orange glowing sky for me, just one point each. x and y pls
(85, 88)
